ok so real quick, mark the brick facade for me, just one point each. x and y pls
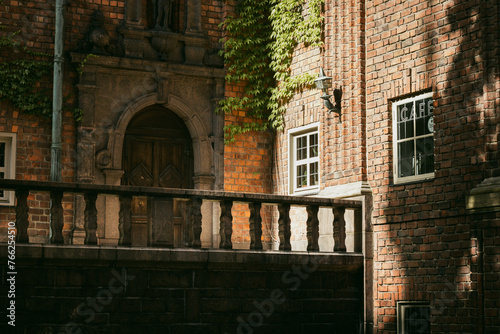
(427, 244)
(426, 240)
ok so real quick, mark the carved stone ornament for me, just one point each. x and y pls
(103, 159)
(97, 38)
(163, 14)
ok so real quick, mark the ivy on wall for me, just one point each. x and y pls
(24, 80)
(258, 53)
(22, 77)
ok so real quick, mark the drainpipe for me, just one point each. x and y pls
(56, 148)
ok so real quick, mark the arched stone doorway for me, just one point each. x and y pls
(157, 152)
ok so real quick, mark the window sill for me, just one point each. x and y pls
(307, 192)
(414, 180)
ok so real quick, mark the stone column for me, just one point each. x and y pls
(209, 226)
(133, 13)
(110, 233)
(193, 22)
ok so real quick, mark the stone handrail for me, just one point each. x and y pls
(194, 222)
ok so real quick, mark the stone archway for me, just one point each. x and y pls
(157, 153)
(111, 158)
(109, 165)
(112, 91)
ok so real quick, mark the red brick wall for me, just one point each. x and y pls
(247, 164)
(247, 168)
(425, 239)
(33, 136)
(35, 21)
(342, 139)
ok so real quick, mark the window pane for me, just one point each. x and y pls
(301, 148)
(2, 155)
(313, 142)
(405, 130)
(417, 320)
(301, 176)
(314, 176)
(424, 122)
(405, 116)
(2, 175)
(406, 158)
(425, 155)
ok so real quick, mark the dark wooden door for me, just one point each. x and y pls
(157, 156)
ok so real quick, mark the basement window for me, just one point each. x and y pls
(7, 165)
(414, 317)
(304, 166)
(413, 124)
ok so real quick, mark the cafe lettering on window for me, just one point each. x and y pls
(414, 141)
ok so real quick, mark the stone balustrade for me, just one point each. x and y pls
(194, 199)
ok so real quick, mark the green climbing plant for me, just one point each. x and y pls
(258, 53)
(25, 80)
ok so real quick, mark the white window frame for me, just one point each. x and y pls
(396, 140)
(9, 170)
(293, 135)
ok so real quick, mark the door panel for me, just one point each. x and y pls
(157, 161)
(140, 162)
(162, 227)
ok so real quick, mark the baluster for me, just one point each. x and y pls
(226, 224)
(255, 221)
(312, 228)
(339, 229)
(56, 217)
(90, 219)
(358, 230)
(22, 216)
(125, 220)
(195, 221)
(284, 227)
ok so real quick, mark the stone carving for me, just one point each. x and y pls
(163, 14)
(103, 159)
(97, 38)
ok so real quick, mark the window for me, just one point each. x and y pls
(414, 318)
(413, 139)
(7, 164)
(304, 153)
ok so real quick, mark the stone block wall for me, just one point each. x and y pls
(66, 289)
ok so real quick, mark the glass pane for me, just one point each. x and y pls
(425, 155)
(406, 158)
(425, 124)
(1, 191)
(301, 176)
(405, 116)
(313, 143)
(301, 148)
(417, 320)
(314, 176)
(405, 130)
(2, 154)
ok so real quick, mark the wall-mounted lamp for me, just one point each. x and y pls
(324, 83)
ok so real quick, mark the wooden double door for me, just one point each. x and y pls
(157, 153)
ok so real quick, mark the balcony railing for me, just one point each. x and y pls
(194, 199)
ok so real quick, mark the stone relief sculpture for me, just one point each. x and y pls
(162, 14)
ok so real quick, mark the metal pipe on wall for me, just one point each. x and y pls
(56, 147)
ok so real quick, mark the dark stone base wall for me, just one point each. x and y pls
(70, 289)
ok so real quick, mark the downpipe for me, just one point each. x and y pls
(56, 147)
